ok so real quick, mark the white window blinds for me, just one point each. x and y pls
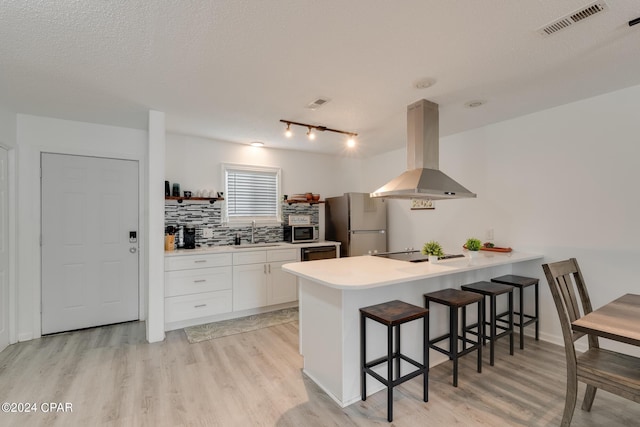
(252, 193)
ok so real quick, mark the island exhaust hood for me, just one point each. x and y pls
(423, 179)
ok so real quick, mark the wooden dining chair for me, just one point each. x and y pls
(614, 372)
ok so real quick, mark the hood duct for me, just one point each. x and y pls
(423, 179)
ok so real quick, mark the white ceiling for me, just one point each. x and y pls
(231, 69)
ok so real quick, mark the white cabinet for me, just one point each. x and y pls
(201, 288)
(197, 286)
(258, 279)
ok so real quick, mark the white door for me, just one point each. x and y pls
(89, 242)
(4, 249)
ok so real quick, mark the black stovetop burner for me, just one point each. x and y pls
(414, 256)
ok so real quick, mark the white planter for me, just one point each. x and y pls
(433, 259)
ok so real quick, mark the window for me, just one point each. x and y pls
(251, 193)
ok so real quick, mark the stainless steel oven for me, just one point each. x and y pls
(318, 252)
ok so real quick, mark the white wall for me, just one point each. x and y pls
(195, 163)
(40, 134)
(562, 182)
(7, 127)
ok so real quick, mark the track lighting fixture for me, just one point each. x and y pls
(351, 142)
(310, 134)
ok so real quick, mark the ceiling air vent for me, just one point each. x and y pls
(314, 105)
(573, 18)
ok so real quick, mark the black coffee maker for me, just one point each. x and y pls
(189, 237)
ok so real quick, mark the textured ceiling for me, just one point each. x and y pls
(231, 69)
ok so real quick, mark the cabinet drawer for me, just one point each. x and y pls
(184, 282)
(197, 305)
(196, 261)
(290, 254)
(252, 257)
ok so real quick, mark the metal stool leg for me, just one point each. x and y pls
(453, 340)
(536, 310)
(521, 291)
(363, 358)
(492, 326)
(389, 373)
(397, 352)
(511, 322)
(425, 359)
(480, 332)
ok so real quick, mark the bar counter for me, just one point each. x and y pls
(331, 292)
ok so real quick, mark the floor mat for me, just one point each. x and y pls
(224, 328)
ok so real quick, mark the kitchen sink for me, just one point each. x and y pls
(255, 245)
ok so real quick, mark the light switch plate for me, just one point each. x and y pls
(207, 232)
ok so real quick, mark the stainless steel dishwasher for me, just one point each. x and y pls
(318, 252)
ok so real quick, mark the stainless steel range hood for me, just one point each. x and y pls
(423, 179)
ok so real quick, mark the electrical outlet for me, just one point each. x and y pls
(489, 234)
(207, 232)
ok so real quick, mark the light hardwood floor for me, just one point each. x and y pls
(112, 377)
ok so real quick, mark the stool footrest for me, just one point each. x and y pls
(421, 369)
(529, 321)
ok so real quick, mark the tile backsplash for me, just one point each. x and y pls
(205, 215)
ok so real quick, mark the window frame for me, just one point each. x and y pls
(277, 219)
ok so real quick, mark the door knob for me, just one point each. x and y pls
(132, 250)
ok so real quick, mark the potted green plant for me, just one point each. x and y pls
(433, 249)
(473, 245)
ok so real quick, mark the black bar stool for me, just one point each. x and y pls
(393, 314)
(492, 290)
(455, 299)
(521, 282)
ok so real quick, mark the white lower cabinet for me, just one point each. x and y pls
(200, 287)
(249, 286)
(197, 286)
(258, 279)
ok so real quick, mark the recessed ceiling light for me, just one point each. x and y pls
(425, 83)
(475, 103)
(257, 144)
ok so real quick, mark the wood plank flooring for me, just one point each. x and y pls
(112, 377)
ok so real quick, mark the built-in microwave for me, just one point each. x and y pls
(301, 233)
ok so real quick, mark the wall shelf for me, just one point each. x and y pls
(211, 200)
(311, 202)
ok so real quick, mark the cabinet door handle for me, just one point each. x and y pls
(265, 268)
(200, 281)
(269, 268)
(199, 305)
(198, 261)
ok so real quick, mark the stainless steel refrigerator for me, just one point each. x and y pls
(358, 222)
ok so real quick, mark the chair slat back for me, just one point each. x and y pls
(564, 278)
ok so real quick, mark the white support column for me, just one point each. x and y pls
(154, 260)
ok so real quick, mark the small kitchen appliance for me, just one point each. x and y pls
(301, 233)
(189, 237)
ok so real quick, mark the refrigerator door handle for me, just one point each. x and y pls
(368, 231)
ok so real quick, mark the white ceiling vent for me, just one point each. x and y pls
(573, 18)
(314, 105)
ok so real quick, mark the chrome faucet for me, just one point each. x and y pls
(253, 231)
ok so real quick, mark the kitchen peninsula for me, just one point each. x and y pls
(331, 292)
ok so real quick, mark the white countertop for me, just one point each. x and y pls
(364, 272)
(246, 247)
